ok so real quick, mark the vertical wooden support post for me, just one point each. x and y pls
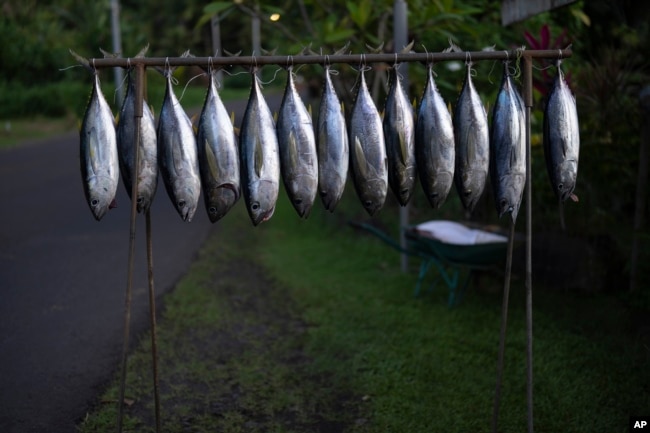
(139, 103)
(528, 102)
(139, 69)
(400, 39)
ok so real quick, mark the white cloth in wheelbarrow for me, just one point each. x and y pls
(451, 232)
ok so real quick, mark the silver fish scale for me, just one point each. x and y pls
(399, 133)
(332, 146)
(297, 145)
(177, 155)
(148, 164)
(472, 144)
(434, 144)
(508, 148)
(259, 159)
(98, 153)
(218, 156)
(561, 138)
(368, 152)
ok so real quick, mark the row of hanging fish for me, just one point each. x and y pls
(439, 147)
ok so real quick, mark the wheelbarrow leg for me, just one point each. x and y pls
(424, 268)
(453, 300)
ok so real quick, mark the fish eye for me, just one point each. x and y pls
(139, 200)
(255, 206)
(503, 202)
(94, 202)
(467, 193)
(405, 191)
(181, 203)
(212, 210)
(560, 186)
(298, 201)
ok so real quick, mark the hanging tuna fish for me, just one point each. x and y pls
(148, 157)
(472, 144)
(98, 158)
(434, 144)
(368, 152)
(399, 133)
(177, 154)
(561, 138)
(258, 156)
(218, 154)
(297, 145)
(508, 148)
(332, 146)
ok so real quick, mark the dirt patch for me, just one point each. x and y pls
(246, 369)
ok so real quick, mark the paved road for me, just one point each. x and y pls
(63, 281)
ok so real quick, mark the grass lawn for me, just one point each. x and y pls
(310, 326)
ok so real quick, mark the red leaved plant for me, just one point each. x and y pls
(544, 83)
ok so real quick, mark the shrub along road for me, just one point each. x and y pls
(63, 281)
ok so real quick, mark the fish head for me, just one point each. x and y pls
(261, 203)
(373, 196)
(441, 186)
(404, 190)
(566, 175)
(329, 199)
(473, 183)
(100, 195)
(302, 205)
(302, 192)
(220, 200)
(509, 193)
(186, 199)
(147, 183)
(144, 197)
(143, 203)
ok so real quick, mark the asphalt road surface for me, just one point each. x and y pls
(63, 281)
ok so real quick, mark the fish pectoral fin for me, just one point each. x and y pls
(211, 159)
(403, 146)
(93, 150)
(513, 156)
(177, 157)
(293, 148)
(258, 157)
(362, 164)
(471, 147)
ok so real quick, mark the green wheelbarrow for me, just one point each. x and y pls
(450, 247)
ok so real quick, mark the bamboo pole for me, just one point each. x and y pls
(353, 59)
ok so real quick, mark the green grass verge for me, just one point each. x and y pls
(309, 326)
